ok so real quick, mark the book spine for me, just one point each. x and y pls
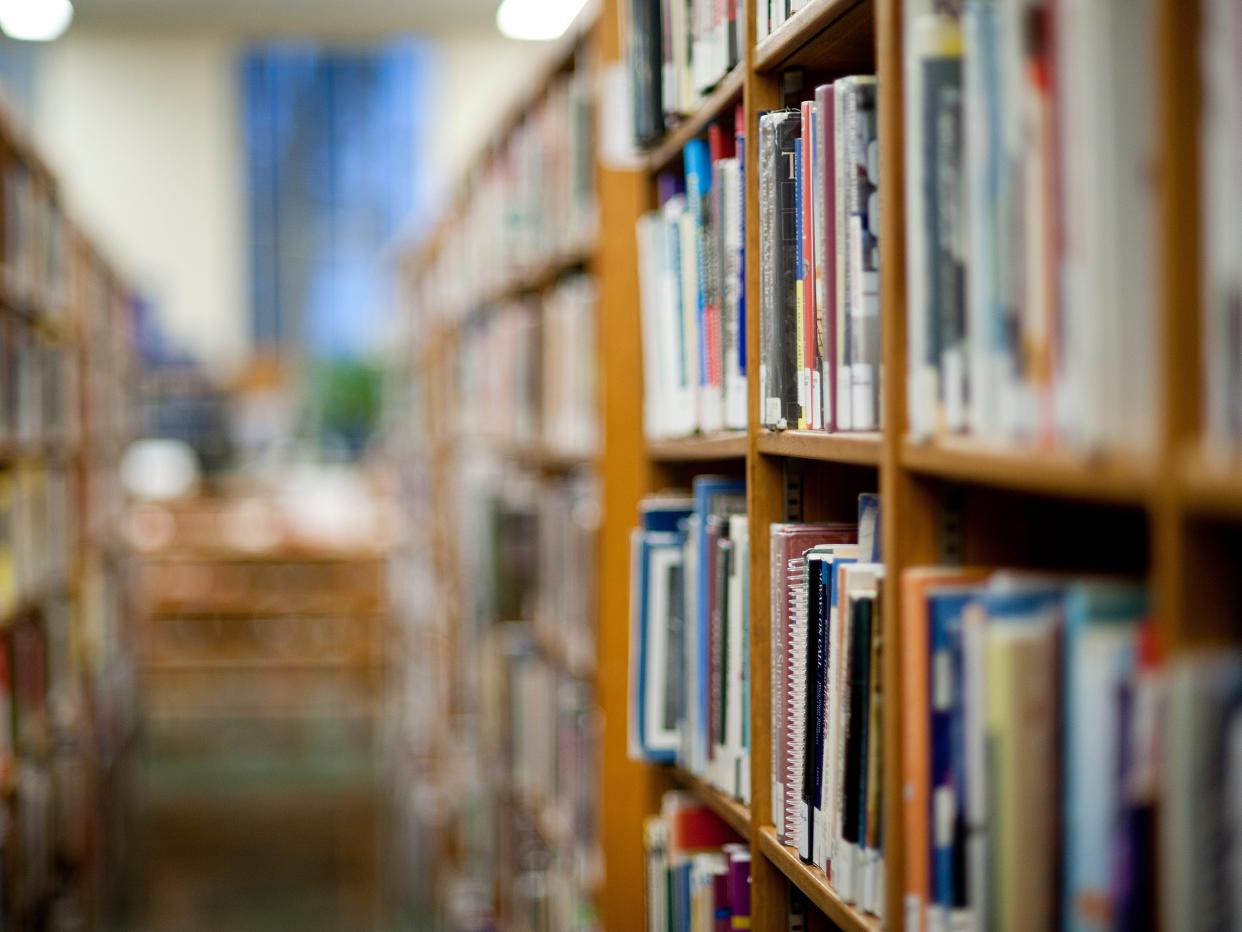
(812, 417)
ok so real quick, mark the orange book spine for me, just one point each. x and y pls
(916, 583)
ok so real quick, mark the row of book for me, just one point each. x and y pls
(532, 203)
(827, 699)
(36, 244)
(819, 294)
(35, 532)
(544, 723)
(698, 869)
(1221, 193)
(569, 515)
(1029, 751)
(678, 51)
(1030, 225)
(37, 386)
(1057, 770)
(693, 290)
(527, 377)
(689, 633)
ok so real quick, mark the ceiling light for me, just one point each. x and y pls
(537, 19)
(35, 20)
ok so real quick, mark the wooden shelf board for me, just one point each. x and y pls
(712, 107)
(725, 445)
(812, 882)
(836, 36)
(342, 664)
(278, 555)
(1116, 480)
(736, 814)
(535, 456)
(863, 449)
(538, 277)
(1211, 488)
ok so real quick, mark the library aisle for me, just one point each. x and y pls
(578, 465)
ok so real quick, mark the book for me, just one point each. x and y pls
(1103, 625)
(779, 258)
(1221, 198)
(917, 585)
(1199, 748)
(657, 629)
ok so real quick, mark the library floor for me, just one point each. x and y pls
(254, 858)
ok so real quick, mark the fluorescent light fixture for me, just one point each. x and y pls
(537, 19)
(35, 20)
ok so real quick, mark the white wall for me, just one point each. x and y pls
(143, 130)
(144, 135)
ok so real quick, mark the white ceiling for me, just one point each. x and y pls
(291, 17)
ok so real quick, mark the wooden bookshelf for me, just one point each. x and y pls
(445, 450)
(65, 327)
(726, 445)
(1121, 480)
(1210, 489)
(1178, 512)
(541, 277)
(862, 449)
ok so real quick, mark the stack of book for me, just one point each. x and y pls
(827, 700)
(1221, 192)
(679, 50)
(819, 294)
(698, 869)
(692, 282)
(565, 598)
(1030, 757)
(36, 256)
(689, 634)
(1030, 222)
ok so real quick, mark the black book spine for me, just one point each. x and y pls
(647, 70)
(855, 795)
(814, 697)
(785, 260)
(822, 659)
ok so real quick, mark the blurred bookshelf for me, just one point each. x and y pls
(66, 672)
(1095, 448)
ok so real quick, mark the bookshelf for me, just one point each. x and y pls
(1176, 508)
(1170, 514)
(66, 408)
(498, 436)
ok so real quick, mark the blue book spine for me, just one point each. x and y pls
(741, 262)
(944, 618)
(697, 161)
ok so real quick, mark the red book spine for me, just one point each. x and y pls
(813, 415)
